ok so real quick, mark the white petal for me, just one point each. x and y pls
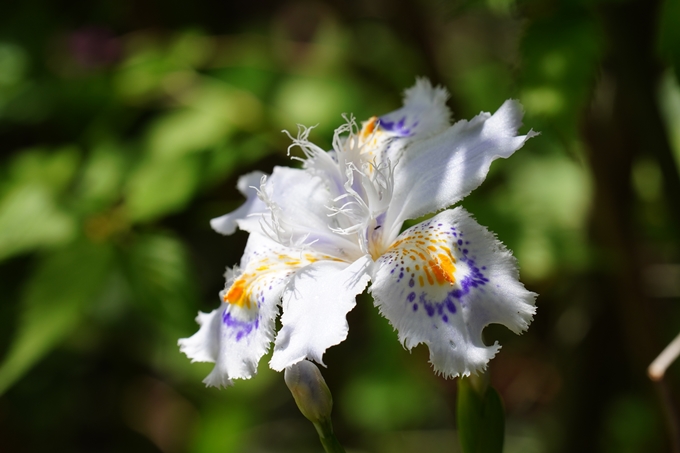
(315, 306)
(439, 171)
(238, 334)
(424, 112)
(299, 201)
(442, 282)
(247, 185)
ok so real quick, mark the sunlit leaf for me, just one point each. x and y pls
(50, 168)
(212, 111)
(30, 212)
(161, 186)
(29, 219)
(311, 101)
(556, 193)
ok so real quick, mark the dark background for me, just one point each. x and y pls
(125, 125)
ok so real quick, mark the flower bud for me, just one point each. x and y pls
(309, 390)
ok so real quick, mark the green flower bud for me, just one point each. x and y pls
(310, 391)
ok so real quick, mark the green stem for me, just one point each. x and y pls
(328, 440)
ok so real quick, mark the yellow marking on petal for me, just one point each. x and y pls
(439, 272)
(369, 127)
(292, 263)
(436, 261)
(446, 260)
(313, 259)
(430, 280)
(262, 268)
(238, 295)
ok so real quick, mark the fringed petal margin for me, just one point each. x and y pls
(315, 306)
(445, 279)
(243, 217)
(238, 334)
(439, 171)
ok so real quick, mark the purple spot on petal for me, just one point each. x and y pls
(242, 328)
(398, 128)
(429, 309)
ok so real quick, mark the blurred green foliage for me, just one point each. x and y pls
(123, 129)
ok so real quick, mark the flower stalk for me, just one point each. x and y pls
(481, 417)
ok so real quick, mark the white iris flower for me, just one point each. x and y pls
(320, 234)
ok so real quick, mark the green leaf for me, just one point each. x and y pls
(29, 218)
(160, 277)
(13, 65)
(213, 111)
(560, 56)
(313, 101)
(54, 302)
(30, 215)
(159, 187)
(100, 183)
(54, 169)
(481, 419)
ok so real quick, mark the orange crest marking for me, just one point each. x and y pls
(238, 294)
